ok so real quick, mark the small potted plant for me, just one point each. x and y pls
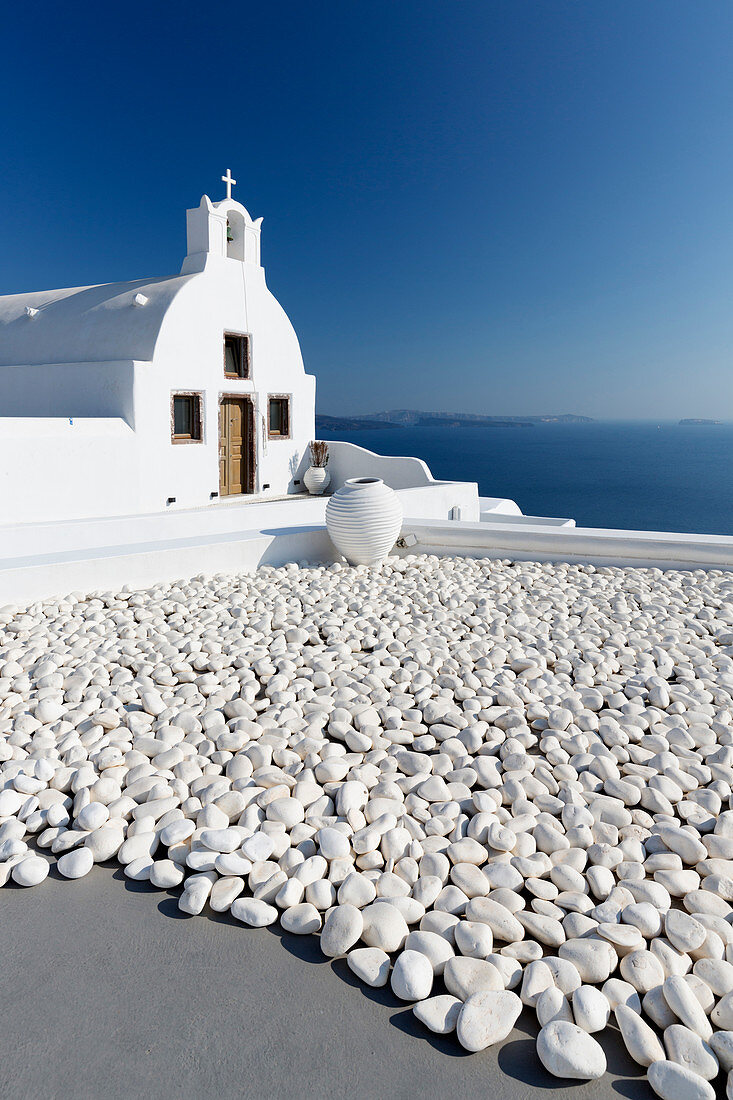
(317, 477)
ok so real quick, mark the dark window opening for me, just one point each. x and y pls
(236, 356)
(279, 416)
(186, 417)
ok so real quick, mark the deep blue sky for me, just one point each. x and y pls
(502, 206)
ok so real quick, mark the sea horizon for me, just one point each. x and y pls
(715, 421)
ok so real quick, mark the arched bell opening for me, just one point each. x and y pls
(235, 235)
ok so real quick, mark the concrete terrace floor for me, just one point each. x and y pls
(108, 990)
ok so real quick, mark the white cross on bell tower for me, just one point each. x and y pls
(229, 181)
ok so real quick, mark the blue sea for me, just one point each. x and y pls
(657, 476)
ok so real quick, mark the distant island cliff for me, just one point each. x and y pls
(413, 418)
(347, 423)
(695, 420)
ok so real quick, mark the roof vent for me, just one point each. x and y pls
(140, 299)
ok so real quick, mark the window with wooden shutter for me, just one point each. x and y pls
(236, 355)
(278, 417)
(186, 418)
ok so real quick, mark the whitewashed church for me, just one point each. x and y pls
(172, 392)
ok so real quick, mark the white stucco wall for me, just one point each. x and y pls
(54, 468)
(75, 389)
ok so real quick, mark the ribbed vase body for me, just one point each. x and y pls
(317, 479)
(364, 519)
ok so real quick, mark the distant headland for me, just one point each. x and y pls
(696, 420)
(413, 418)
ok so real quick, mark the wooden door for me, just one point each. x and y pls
(236, 446)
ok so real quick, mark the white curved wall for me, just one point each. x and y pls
(347, 460)
(88, 324)
(420, 493)
(228, 296)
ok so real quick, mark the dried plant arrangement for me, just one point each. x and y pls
(319, 453)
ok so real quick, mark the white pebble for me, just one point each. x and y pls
(412, 976)
(640, 1041)
(256, 913)
(342, 928)
(487, 1018)
(370, 964)
(590, 1008)
(687, 1049)
(165, 874)
(439, 1014)
(76, 864)
(30, 871)
(302, 919)
(567, 1051)
(383, 927)
(673, 1082)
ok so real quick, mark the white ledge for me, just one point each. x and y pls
(594, 545)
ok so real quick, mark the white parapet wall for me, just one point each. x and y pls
(492, 506)
(592, 545)
(526, 521)
(346, 460)
(421, 495)
(142, 565)
(40, 560)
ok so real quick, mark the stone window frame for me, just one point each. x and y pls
(288, 398)
(247, 337)
(198, 416)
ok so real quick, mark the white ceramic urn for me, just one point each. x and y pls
(317, 479)
(364, 519)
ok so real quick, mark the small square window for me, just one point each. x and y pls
(278, 422)
(186, 418)
(236, 356)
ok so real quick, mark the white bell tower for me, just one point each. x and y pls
(221, 232)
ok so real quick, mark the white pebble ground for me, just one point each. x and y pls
(488, 785)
